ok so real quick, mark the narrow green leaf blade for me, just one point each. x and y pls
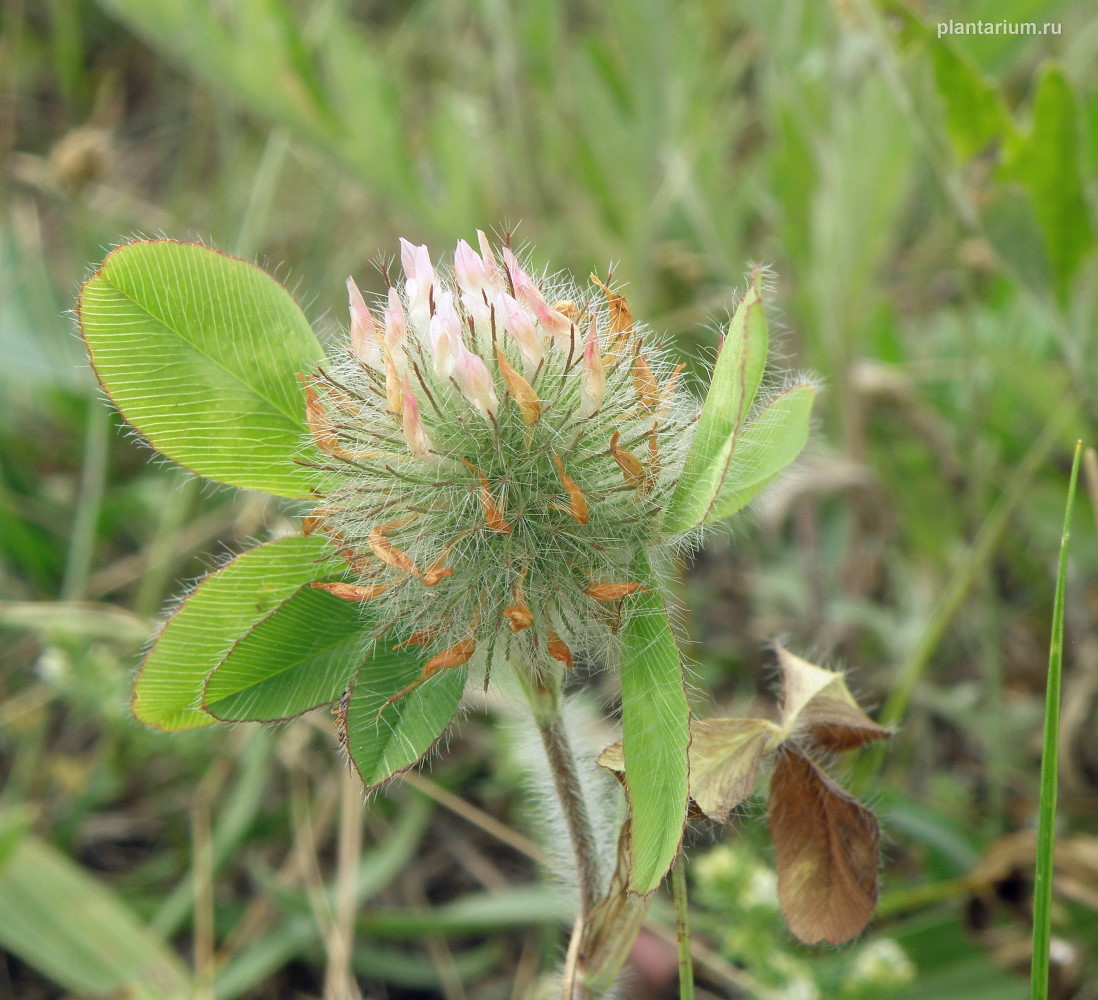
(1050, 756)
(72, 928)
(385, 744)
(655, 720)
(199, 351)
(767, 445)
(222, 608)
(301, 656)
(735, 382)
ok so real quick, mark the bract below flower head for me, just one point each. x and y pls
(493, 477)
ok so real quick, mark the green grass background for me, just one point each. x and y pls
(927, 206)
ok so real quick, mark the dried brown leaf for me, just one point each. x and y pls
(819, 700)
(724, 762)
(621, 317)
(354, 591)
(457, 655)
(386, 551)
(320, 424)
(825, 851)
(558, 649)
(835, 725)
(577, 502)
(493, 512)
(629, 464)
(645, 385)
(614, 922)
(801, 682)
(519, 389)
(612, 591)
(612, 759)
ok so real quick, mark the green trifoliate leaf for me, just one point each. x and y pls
(386, 737)
(200, 352)
(221, 609)
(773, 439)
(302, 655)
(655, 735)
(735, 382)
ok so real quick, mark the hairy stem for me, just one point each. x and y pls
(545, 697)
(570, 793)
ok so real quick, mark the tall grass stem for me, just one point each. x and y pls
(1046, 815)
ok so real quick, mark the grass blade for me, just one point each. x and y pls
(1046, 817)
(74, 929)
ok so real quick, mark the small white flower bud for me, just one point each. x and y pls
(517, 322)
(420, 280)
(593, 373)
(364, 342)
(444, 334)
(475, 381)
(469, 270)
(412, 424)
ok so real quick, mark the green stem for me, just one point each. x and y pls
(1042, 884)
(682, 928)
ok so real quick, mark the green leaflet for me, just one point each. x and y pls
(976, 114)
(222, 608)
(1046, 162)
(655, 721)
(302, 655)
(199, 351)
(735, 382)
(767, 445)
(385, 744)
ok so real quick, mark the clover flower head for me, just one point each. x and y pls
(498, 449)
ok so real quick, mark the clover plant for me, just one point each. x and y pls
(497, 473)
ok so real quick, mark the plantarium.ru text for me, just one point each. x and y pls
(497, 473)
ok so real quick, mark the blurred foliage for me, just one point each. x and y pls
(927, 205)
